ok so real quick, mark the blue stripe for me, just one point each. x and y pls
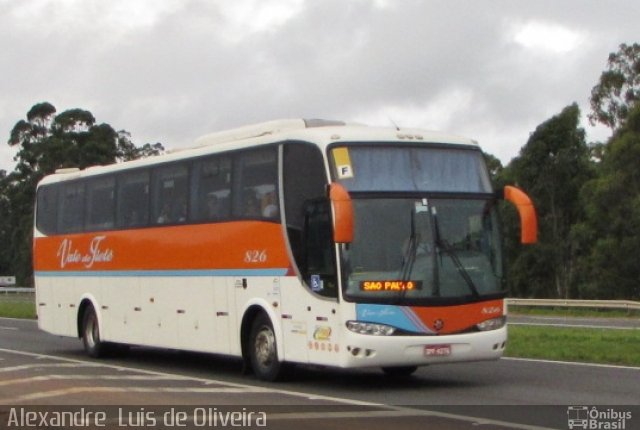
(396, 316)
(167, 273)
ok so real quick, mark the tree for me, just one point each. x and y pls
(27, 135)
(618, 89)
(611, 231)
(127, 151)
(4, 224)
(494, 166)
(47, 141)
(552, 168)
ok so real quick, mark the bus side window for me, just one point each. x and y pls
(170, 192)
(211, 189)
(257, 184)
(71, 208)
(101, 203)
(133, 199)
(47, 201)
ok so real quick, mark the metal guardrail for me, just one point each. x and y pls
(17, 290)
(597, 304)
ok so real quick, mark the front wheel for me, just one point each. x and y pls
(263, 351)
(93, 345)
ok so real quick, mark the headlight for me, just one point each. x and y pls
(370, 328)
(492, 324)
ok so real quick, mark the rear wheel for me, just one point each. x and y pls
(400, 371)
(93, 345)
(263, 350)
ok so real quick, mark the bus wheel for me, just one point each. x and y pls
(263, 351)
(91, 334)
(399, 371)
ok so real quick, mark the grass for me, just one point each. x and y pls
(621, 347)
(17, 306)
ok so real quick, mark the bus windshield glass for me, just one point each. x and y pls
(426, 234)
(411, 168)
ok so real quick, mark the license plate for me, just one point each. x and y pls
(437, 350)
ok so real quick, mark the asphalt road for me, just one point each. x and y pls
(38, 368)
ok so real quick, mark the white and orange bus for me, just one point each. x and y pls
(294, 241)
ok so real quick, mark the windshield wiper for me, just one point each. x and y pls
(448, 249)
(410, 254)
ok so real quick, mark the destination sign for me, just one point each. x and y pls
(390, 285)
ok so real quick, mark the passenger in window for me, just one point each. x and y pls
(269, 207)
(165, 214)
(251, 205)
(132, 218)
(213, 209)
(182, 216)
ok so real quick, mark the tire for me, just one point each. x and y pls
(93, 344)
(263, 350)
(400, 371)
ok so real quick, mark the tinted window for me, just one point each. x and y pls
(170, 185)
(101, 203)
(304, 180)
(257, 173)
(241, 184)
(71, 208)
(211, 189)
(47, 216)
(133, 199)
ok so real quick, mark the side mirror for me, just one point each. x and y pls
(342, 213)
(527, 212)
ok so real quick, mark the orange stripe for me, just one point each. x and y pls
(461, 317)
(234, 245)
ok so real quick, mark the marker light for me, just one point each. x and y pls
(370, 328)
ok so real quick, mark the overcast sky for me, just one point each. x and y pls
(171, 70)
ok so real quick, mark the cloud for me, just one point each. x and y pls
(547, 37)
(257, 16)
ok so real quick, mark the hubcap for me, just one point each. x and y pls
(265, 347)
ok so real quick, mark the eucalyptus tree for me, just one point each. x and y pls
(46, 141)
(611, 231)
(618, 89)
(552, 167)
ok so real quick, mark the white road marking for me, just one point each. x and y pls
(572, 363)
(39, 365)
(86, 378)
(9, 328)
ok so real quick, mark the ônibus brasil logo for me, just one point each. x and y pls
(593, 418)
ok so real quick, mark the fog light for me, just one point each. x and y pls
(370, 328)
(492, 324)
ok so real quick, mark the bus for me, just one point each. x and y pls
(287, 242)
(7, 281)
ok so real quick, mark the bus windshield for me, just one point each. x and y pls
(411, 168)
(427, 234)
